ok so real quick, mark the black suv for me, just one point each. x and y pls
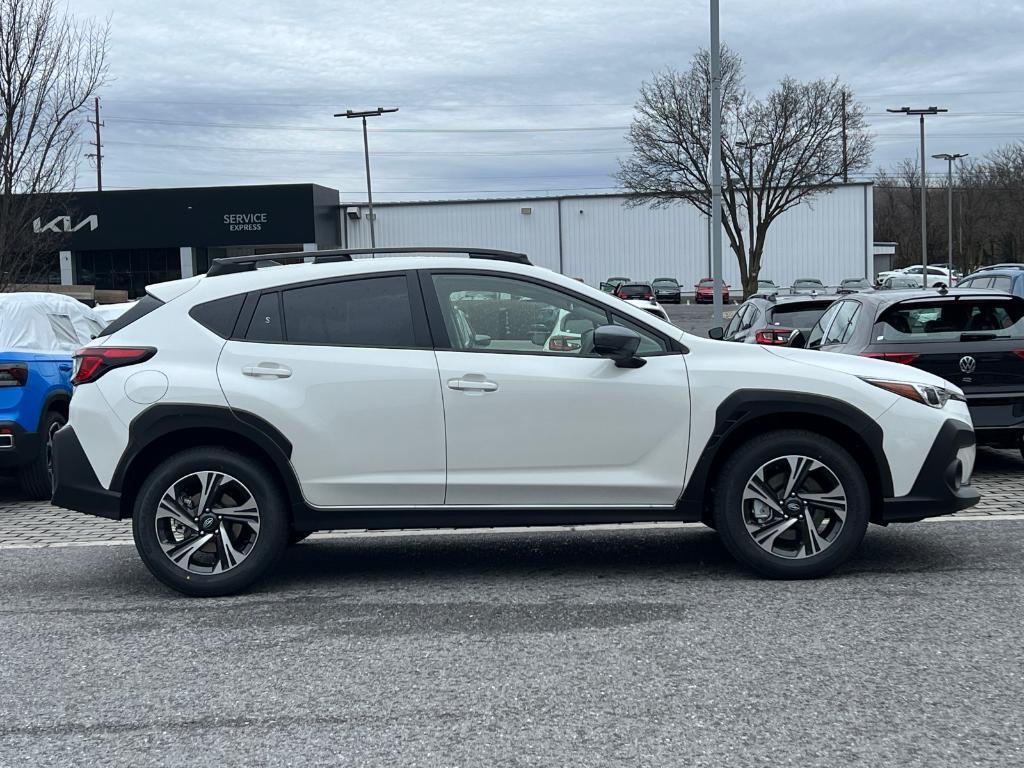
(973, 338)
(1008, 278)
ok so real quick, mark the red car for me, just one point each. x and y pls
(705, 293)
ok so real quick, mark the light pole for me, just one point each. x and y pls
(924, 185)
(716, 167)
(950, 158)
(366, 153)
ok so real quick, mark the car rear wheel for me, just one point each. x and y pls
(36, 477)
(210, 522)
(791, 504)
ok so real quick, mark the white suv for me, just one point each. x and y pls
(231, 414)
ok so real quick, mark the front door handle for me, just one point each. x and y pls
(269, 370)
(472, 385)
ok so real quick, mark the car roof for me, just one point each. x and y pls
(1016, 267)
(886, 298)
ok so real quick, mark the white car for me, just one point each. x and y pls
(650, 306)
(232, 413)
(937, 276)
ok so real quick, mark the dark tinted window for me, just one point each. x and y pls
(372, 312)
(144, 306)
(634, 291)
(266, 320)
(797, 315)
(219, 315)
(946, 320)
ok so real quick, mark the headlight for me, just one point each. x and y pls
(926, 394)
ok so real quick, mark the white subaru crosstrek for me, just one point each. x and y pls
(231, 414)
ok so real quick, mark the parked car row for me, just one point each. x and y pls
(938, 276)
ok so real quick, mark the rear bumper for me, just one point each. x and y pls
(75, 485)
(17, 447)
(938, 489)
(997, 419)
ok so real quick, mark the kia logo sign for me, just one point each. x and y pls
(62, 224)
(967, 364)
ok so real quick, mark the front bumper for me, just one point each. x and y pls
(941, 486)
(75, 485)
(17, 447)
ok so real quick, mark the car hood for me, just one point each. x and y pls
(863, 367)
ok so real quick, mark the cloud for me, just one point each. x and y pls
(244, 92)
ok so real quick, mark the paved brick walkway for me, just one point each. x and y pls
(999, 478)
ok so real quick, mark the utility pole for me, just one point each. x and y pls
(366, 154)
(846, 177)
(924, 185)
(98, 154)
(949, 159)
(716, 166)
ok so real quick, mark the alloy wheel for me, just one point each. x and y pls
(207, 522)
(794, 507)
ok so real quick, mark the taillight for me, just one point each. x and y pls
(563, 344)
(1019, 353)
(13, 374)
(906, 358)
(93, 362)
(773, 336)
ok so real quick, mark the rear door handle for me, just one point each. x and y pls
(269, 370)
(472, 385)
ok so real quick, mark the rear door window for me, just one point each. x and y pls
(366, 312)
(938, 320)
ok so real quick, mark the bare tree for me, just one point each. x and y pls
(51, 64)
(776, 152)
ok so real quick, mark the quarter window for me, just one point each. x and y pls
(368, 312)
(842, 326)
(266, 320)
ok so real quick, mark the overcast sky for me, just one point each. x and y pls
(229, 92)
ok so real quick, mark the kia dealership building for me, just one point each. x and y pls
(125, 240)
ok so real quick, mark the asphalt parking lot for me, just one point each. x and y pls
(628, 645)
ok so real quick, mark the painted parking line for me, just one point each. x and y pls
(364, 534)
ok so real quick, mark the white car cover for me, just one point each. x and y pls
(46, 322)
(110, 312)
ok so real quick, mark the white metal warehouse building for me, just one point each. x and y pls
(597, 236)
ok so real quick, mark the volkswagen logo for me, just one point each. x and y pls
(967, 364)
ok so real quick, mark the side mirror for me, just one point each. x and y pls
(619, 344)
(483, 340)
(717, 333)
(796, 339)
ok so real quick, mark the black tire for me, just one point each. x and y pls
(265, 550)
(296, 536)
(760, 451)
(36, 477)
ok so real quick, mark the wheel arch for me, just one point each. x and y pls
(58, 401)
(746, 413)
(166, 429)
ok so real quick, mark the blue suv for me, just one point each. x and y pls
(1008, 278)
(39, 332)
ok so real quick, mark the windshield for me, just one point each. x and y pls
(666, 282)
(807, 283)
(949, 319)
(858, 282)
(797, 315)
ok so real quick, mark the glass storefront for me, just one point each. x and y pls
(128, 270)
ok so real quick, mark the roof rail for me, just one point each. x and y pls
(1005, 265)
(233, 264)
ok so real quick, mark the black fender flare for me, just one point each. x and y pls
(737, 413)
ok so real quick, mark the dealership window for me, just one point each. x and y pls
(126, 269)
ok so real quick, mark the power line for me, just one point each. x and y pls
(393, 153)
(156, 121)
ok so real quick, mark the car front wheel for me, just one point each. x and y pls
(791, 504)
(210, 522)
